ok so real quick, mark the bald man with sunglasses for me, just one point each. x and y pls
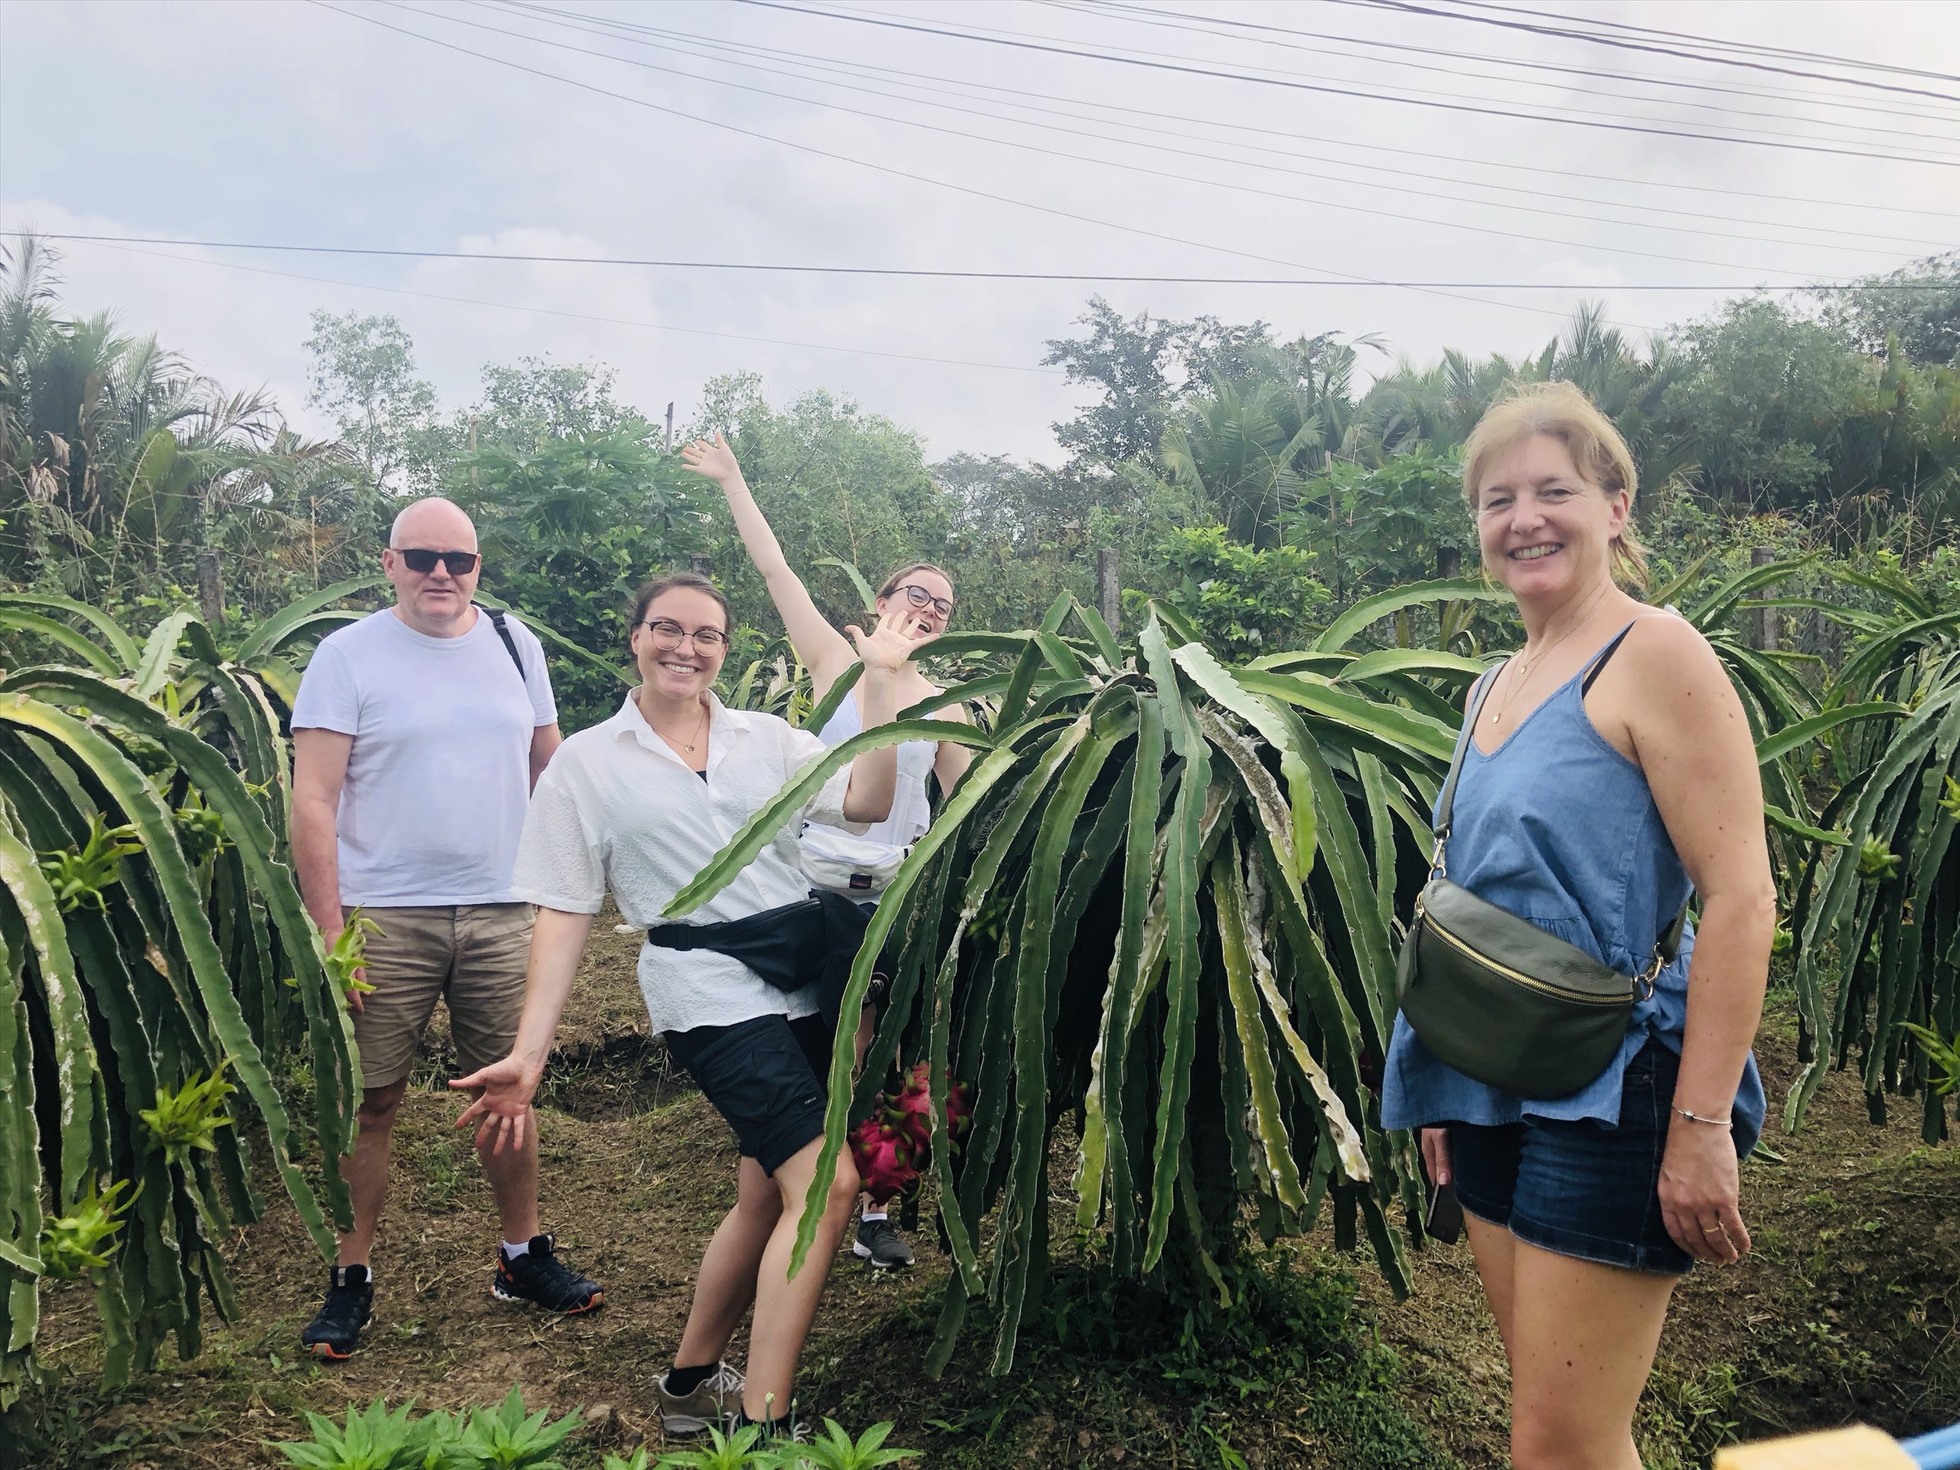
(417, 736)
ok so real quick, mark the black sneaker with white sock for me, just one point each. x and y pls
(538, 1275)
(335, 1330)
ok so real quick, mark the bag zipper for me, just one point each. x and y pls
(1532, 982)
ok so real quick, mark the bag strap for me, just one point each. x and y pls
(1446, 802)
(497, 621)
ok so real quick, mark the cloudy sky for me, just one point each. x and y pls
(1349, 141)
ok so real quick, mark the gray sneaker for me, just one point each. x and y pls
(881, 1247)
(716, 1404)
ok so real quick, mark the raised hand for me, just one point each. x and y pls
(888, 648)
(503, 1103)
(712, 458)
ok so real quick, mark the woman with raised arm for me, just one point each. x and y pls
(921, 596)
(637, 806)
(1605, 772)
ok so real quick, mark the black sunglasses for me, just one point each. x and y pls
(460, 563)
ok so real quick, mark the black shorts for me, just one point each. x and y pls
(765, 1077)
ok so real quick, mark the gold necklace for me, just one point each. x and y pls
(698, 729)
(1527, 666)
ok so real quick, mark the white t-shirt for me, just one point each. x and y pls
(617, 809)
(911, 805)
(440, 771)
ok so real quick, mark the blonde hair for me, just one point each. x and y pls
(1561, 411)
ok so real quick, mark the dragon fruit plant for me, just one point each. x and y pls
(895, 1142)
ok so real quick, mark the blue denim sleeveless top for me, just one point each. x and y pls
(1560, 828)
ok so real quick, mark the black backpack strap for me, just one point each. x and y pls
(499, 621)
(1447, 800)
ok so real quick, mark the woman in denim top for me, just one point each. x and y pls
(1611, 769)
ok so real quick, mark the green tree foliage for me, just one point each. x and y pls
(119, 463)
(1243, 600)
(570, 522)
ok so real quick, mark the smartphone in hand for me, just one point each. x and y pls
(1445, 1220)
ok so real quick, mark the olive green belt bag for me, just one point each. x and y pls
(1501, 1000)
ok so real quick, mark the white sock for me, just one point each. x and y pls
(512, 1252)
(869, 1215)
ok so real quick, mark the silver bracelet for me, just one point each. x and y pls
(1694, 1117)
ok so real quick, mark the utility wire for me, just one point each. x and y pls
(921, 77)
(1303, 86)
(935, 273)
(1700, 227)
(582, 316)
(1411, 8)
(1208, 25)
(947, 184)
(1716, 41)
(1561, 111)
(1199, 179)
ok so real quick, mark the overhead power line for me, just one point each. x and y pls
(582, 316)
(1753, 47)
(1409, 7)
(887, 169)
(1223, 26)
(1701, 220)
(1321, 87)
(917, 76)
(1202, 180)
(940, 273)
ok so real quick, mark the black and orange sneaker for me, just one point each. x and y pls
(335, 1330)
(539, 1276)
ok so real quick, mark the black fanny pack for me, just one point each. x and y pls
(1499, 999)
(811, 942)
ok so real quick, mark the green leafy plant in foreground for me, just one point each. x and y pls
(507, 1438)
(372, 1439)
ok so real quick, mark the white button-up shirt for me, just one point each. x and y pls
(617, 809)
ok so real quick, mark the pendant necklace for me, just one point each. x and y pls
(1527, 666)
(698, 730)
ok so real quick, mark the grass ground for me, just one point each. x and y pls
(1848, 1310)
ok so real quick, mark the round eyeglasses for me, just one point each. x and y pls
(667, 635)
(919, 597)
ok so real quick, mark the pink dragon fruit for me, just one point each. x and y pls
(894, 1143)
(884, 1161)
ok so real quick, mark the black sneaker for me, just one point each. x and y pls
(881, 1247)
(335, 1330)
(539, 1276)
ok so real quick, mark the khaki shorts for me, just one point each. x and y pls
(472, 956)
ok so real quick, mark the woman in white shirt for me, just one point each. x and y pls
(921, 595)
(638, 805)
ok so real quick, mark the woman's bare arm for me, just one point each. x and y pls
(824, 651)
(1694, 746)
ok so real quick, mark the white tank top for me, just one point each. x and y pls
(911, 807)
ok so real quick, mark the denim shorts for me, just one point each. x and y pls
(1580, 1188)
(766, 1077)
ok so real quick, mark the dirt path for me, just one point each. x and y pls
(1846, 1311)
